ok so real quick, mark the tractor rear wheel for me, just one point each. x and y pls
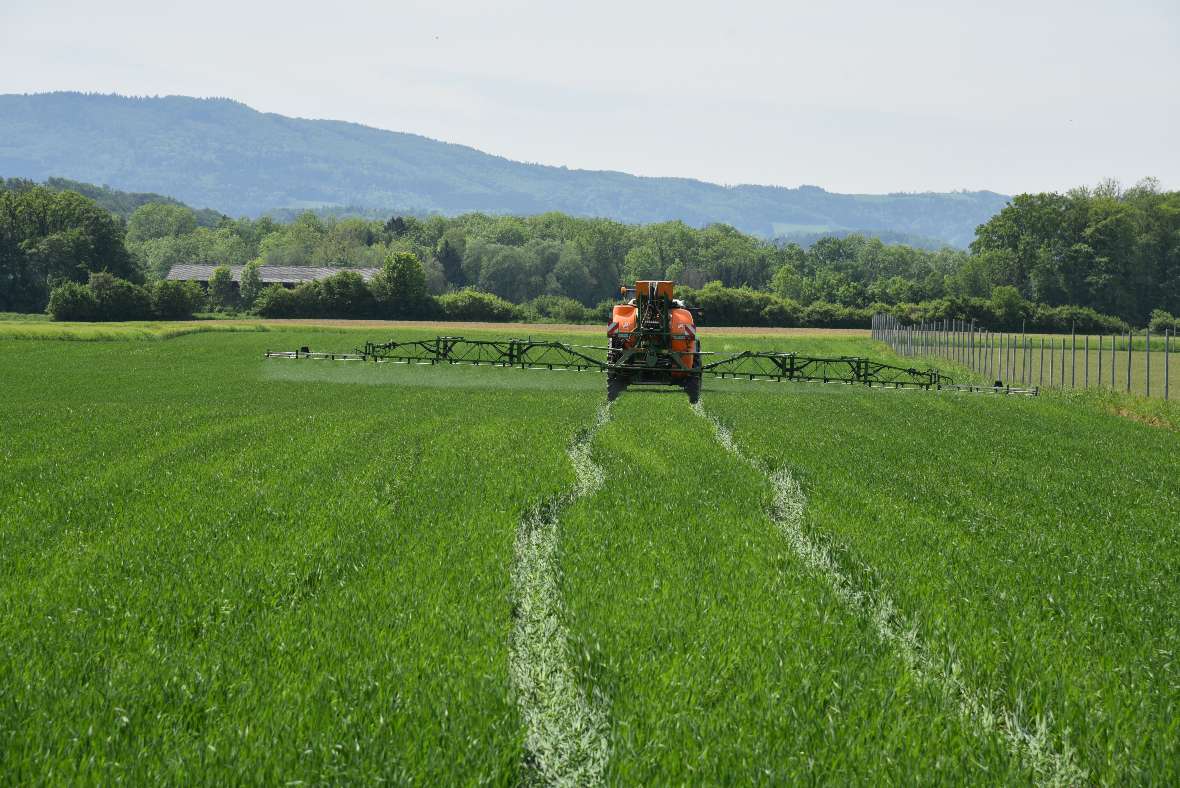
(616, 382)
(615, 385)
(692, 386)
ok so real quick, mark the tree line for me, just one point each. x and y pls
(1101, 257)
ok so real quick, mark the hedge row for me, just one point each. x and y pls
(1010, 317)
(725, 306)
(346, 295)
(107, 298)
(1162, 321)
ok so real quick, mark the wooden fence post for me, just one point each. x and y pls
(1099, 361)
(1013, 369)
(1003, 358)
(1128, 361)
(1073, 357)
(1041, 367)
(1007, 359)
(971, 356)
(1011, 358)
(998, 361)
(969, 345)
(1148, 386)
(1020, 349)
(1023, 361)
(1000, 356)
(987, 352)
(1027, 352)
(1114, 359)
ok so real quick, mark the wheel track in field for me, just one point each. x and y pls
(566, 728)
(1050, 758)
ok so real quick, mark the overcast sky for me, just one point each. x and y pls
(857, 96)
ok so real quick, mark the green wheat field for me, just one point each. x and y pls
(220, 569)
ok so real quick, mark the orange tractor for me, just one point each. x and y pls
(653, 341)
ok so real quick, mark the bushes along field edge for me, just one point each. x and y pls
(106, 298)
(346, 295)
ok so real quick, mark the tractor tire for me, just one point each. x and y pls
(692, 386)
(616, 382)
(615, 385)
(614, 352)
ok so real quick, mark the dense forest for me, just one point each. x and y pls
(1049, 259)
(224, 155)
(1112, 250)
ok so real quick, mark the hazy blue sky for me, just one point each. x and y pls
(852, 96)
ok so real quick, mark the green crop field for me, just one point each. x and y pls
(220, 569)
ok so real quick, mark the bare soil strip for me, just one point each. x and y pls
(1052, 762)
(566, 738)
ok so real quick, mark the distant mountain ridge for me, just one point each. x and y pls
(221, 154)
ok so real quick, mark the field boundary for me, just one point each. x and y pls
(1051, 761)
(163, 329)
(566, 729)
(120, 332)
(542, 328)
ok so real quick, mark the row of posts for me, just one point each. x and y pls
(1017, 359)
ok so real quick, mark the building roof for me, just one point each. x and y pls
(271, 274)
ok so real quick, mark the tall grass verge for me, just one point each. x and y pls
(1154, 412)
(110, 332)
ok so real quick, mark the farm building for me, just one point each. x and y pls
(285, 275)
